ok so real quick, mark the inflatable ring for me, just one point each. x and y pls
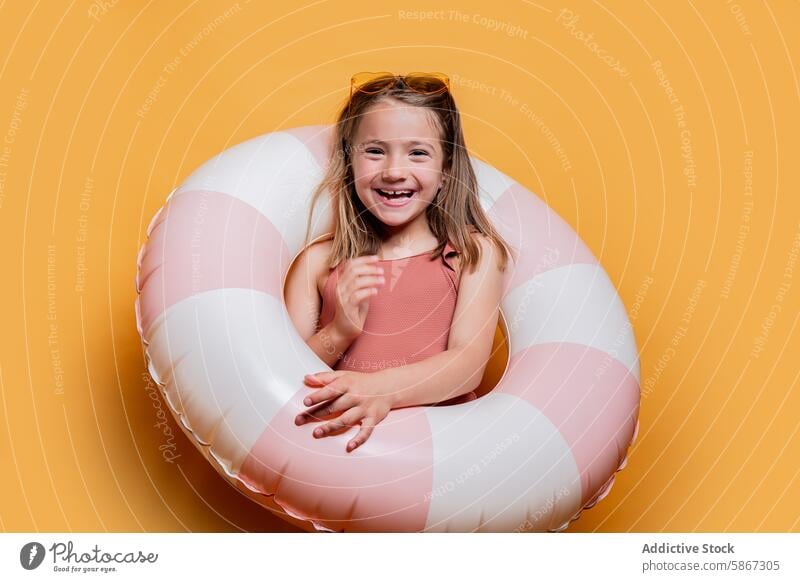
(530, 455)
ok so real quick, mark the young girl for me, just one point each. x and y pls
(403, 301)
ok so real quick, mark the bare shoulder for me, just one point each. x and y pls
(301, 292)
(489, 254)
(321, 252)
(314, 261)
(484, 241)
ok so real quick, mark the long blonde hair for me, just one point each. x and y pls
(454, 213)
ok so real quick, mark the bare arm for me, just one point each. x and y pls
(460, 368)
(304, 303)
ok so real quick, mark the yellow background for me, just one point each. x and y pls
(99, 122)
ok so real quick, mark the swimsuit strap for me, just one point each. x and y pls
(447, 255)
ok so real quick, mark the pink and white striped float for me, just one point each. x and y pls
(542, 446)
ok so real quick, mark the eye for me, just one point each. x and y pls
(423, 152)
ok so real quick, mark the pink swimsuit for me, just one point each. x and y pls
(408, 319)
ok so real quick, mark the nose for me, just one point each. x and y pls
(393, 170)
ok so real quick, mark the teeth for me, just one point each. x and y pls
(395, 192)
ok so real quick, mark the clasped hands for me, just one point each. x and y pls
(361, 398)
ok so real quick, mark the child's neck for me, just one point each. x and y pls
(409, 236)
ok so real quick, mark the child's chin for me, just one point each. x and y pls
(395, 219)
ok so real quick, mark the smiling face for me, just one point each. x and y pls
(396, 148)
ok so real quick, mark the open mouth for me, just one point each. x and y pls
(395, 197)
(395, 194)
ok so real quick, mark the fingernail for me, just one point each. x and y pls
(307, 401)
(317, 433)
(299, 420)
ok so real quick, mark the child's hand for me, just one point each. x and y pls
(358, 396)
(358, 281)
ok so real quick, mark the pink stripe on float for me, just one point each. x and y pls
(381, 486)
(588, 395)
(207, 240)
(318, 140)
(542, 238)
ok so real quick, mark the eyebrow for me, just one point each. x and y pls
(410, 143)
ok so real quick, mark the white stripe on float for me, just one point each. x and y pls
(499, 464)
(491, 182)
(575, 303)
(276, 174)
(233, 350)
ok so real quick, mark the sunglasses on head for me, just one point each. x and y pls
(426, 83)
(370, 83)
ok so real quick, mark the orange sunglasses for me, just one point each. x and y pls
(425, 83)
